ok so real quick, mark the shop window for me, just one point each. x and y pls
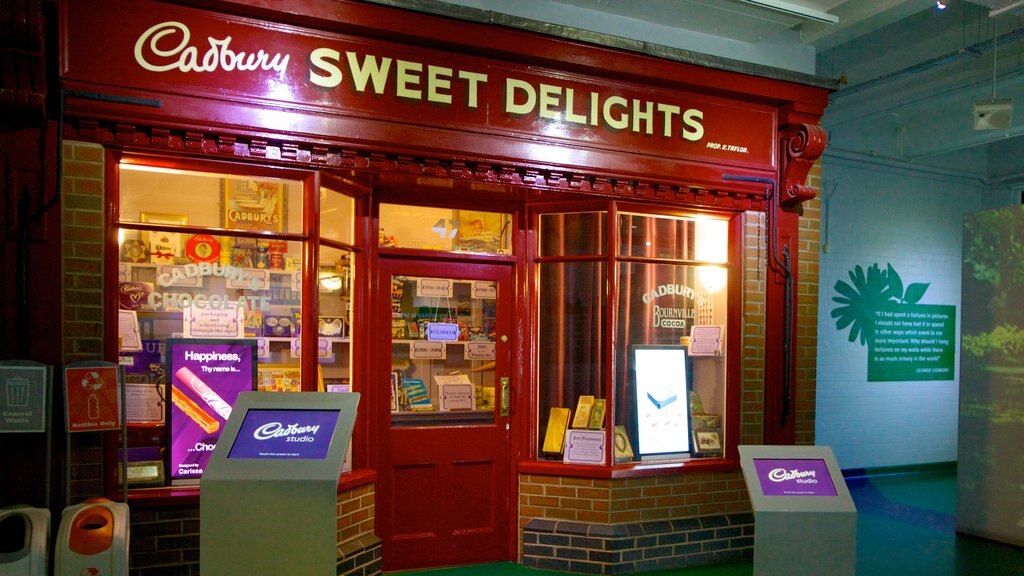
(445, 229)
(572, 234)
(666, 394)
(209, 303)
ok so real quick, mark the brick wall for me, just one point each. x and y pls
(82, 305)
(755, 254)
(809, 255)
(606, 526)
(164, 541)
(359, 550)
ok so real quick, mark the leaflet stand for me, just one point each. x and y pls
(805, 522)
(269, 492)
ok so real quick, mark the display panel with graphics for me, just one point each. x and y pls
(285, 434)
(663, 416)
(204, 380)
(794, 477)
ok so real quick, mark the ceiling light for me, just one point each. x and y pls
(939, 4)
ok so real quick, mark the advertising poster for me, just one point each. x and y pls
(289, 434)
(779, 477)
(93, 400)
(662, 413)
(205, 378)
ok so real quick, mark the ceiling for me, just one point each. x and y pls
(906, 74)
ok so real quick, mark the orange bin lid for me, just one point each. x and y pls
(92, 531)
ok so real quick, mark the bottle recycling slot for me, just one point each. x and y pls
(93, 539)
(24, 541)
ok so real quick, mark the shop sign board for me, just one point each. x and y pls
(23, 398)
(166, 48)
(205, 377)
(92, 398)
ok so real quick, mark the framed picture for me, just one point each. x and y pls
(253, 204)
(708, 441)
(165, 247)
(480, 231)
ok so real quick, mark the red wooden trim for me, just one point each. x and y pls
(639, 179)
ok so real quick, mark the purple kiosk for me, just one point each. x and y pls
(805, 522)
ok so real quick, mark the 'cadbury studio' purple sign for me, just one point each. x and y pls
(290, 434)
(780, 477)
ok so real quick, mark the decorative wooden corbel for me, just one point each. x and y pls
(802, 144)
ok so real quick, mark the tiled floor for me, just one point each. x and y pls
(906, 525)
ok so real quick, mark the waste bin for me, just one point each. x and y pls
(24, 541)
(93, 539)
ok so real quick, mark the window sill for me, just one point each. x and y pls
(631, 469)
(189, 495)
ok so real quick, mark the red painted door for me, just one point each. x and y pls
(444, 493)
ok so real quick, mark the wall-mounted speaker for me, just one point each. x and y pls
(993, 114)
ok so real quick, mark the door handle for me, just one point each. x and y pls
(506, 396)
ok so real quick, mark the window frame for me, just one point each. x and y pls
(531, 462)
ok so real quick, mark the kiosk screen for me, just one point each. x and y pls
(794, 477)
(285, 434)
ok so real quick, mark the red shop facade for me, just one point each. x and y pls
(566, 279)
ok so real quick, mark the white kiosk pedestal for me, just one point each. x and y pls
(805, 522)
(268, 496)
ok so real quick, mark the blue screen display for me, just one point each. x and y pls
(285, 434)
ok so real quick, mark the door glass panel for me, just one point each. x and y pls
(442, 351)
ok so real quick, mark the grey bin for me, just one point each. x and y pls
(24, 541)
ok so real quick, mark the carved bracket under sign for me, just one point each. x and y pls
(802, 145)
(346, 158)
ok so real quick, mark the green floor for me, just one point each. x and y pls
(906, 525)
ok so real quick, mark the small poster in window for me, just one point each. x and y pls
(254, 204)
(706, 341)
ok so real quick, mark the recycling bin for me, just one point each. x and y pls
(93, 539)
(24, 541)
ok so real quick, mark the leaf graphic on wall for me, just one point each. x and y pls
(860, 298)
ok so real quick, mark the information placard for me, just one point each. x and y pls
(912, 342)
(92, 397)
(23, 397)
